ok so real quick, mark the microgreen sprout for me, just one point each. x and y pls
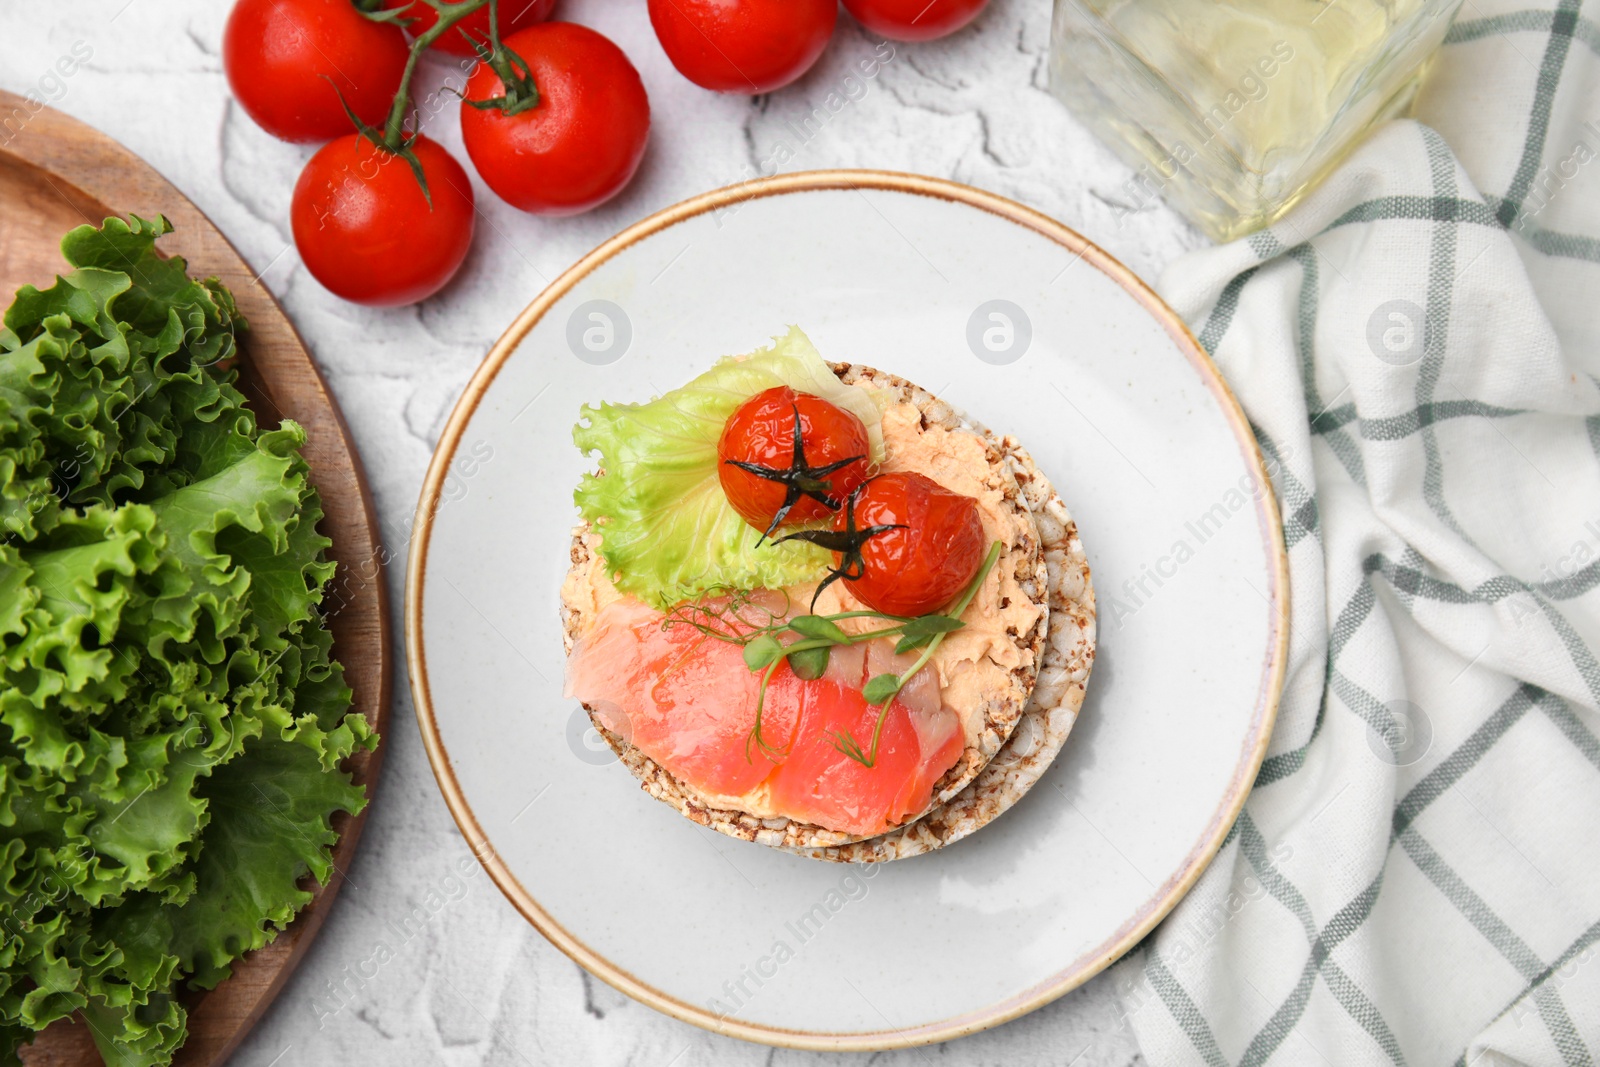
(883, 688)
(805, 642)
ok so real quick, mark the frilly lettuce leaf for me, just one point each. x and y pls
(172, 723)
(145, 1032)
(667, 530)
(269, 827)
(113, 377)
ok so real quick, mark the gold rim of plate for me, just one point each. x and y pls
(1077, 971)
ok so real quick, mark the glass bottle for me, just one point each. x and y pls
(1232, 109)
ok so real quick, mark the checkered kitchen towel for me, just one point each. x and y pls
(1416, 877)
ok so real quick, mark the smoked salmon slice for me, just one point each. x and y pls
(683, 698)
(687, 700)
(818, 783)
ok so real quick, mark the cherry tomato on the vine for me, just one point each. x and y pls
(514, 15)
(365, 229)
(743, 46)
(926, 562)
(761, 473)
(914, 20)
(580, 143)
(288, 61)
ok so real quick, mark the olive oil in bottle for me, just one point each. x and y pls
(1232, 109)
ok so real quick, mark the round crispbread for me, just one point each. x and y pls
(1052, 709)
(1024, 489)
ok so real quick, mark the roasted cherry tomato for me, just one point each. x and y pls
(790, 457)
(743, 46)
(914, 20)
(932, 546)
(580, 143)
(366, 231)
(288, 61)
(514, 15)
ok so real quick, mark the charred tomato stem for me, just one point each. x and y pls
(799, 479)
(847, 542)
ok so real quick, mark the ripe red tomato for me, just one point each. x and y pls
(914, 20)
(514, 15)
(926, 563)
(760, 434)
(365, 230)
(581, 143)
(743, 46)
(279, 56)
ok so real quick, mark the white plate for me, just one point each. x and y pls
(1123, 412)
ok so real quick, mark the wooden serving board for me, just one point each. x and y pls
(57, 173)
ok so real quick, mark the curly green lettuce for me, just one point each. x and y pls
(667, 531)
(171, 721)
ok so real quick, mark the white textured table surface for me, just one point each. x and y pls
(477, 985)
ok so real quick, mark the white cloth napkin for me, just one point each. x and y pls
(1416, 877)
